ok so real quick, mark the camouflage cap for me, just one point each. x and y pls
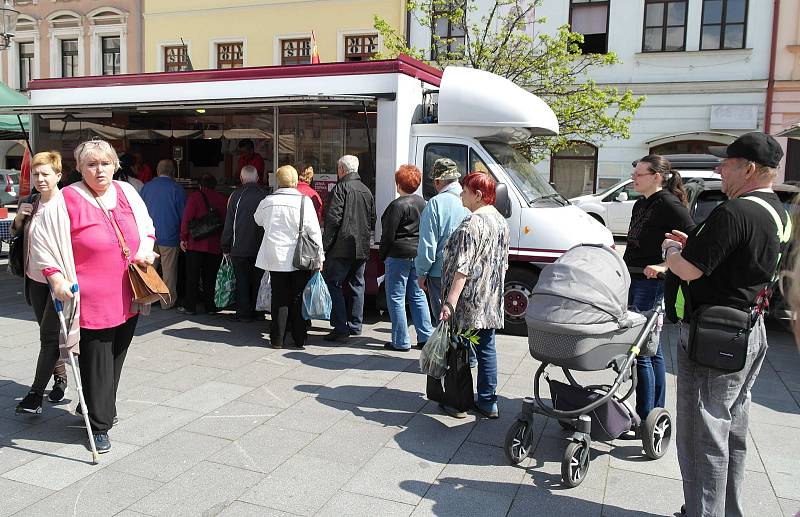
(445, 169)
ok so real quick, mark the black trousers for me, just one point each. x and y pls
(103, 352)
(287, 299)
(201, 266)
(248, 280)
(49, 329)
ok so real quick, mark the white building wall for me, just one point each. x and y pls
(681, 87)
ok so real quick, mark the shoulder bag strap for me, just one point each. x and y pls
(302, 209)
(126, 251)
(205, 200)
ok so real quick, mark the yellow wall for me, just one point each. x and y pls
(258, 24)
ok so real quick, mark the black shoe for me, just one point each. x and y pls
(102, 443)
(32, 403)
(683, 509)
(354, 332)
(488, 414)
(335, 336)
(421, 344)
(58, 391)
(184, 310)
(390, 346)
(453, 412)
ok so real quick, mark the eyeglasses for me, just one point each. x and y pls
(634, 175)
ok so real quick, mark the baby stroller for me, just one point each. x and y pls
(578, 320)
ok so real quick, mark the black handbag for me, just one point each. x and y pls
(16, 250)
(455, 388)
(306, 253)
(718, 337)
(204, 227)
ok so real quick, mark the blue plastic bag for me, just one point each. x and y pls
(316, 299)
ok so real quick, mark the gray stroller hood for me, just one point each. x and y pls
(584, 292)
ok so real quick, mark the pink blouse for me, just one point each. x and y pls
(101, 267)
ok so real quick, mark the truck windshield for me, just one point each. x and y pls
(522, 173)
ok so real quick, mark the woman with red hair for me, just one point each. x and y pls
(399, 239)
(475, 263)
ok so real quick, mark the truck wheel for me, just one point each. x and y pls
(518, 288)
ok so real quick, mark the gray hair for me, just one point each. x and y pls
(96, 145)
(249, 174)
(165, 167)
(348, 163)
(763, 172)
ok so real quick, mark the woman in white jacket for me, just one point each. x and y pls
(279, 214)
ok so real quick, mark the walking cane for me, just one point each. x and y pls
(59, 306)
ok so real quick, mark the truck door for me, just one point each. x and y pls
(431, 149)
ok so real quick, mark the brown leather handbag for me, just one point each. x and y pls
(146, 284)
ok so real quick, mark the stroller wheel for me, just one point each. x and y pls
(565, 426)
(574, 464)
(518, 442)
(657, 433)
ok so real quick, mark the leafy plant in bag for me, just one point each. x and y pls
(433, 358)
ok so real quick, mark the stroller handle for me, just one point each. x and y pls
(59, 305)
(640, 271)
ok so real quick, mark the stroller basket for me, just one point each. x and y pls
(609, 420)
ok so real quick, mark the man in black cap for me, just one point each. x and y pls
(729, 260)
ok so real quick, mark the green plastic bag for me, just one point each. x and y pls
(225, 289)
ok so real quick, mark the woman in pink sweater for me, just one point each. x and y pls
(89, 234)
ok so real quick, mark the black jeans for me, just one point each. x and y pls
(49, 329)
(201, 266)
(103, 352)
(248, 280)
(287, 299)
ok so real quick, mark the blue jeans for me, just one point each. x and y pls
(401, 284)
(347, 312)
(651, 389)
(487, 369)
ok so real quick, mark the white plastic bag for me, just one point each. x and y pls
(433, 358)
(264, 298)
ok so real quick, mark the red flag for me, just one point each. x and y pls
(314, 50)
(25, 174)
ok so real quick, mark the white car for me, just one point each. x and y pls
(613, 206)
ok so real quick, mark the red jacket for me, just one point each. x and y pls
(316, 200)
(195, 207)
(256, 161)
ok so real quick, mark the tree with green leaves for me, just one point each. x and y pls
(496, 36)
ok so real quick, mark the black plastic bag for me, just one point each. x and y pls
(455, 388)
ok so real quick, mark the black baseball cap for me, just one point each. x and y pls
(756, 146)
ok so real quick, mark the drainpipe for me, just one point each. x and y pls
(772, 54)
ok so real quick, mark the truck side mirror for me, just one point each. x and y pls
(502, 202)
(621, 197)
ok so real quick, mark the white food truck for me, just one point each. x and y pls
(385, 112)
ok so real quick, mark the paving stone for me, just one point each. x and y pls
(485, 468)
(151, 424)
(544, 470)
(66, 465)
(624, 494)
(457, 500)
(316, 374)
(208, 396)
(433, 436)
(312, 415)
(264, 448)
(205, 489)
(104, 492)
(188, 377)
(758, 497)
(302, 485)
(242, 509)
(790, 507)
(254, 374)
(350, 442)
(231, 420)
(397, 476)
(17, 496)
(351, 388)
(357, 505)
(780, 461)
(230, 357)
(170, 456)
(279, 393)
(532, 500)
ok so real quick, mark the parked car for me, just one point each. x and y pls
(704, 195)
(9, 186)
(613, 206)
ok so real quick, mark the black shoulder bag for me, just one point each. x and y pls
(719, 335)
(16, 251)
(205, 226)
(306, 253)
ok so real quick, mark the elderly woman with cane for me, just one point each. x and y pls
(89, 236)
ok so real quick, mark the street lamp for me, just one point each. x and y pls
(8, 24)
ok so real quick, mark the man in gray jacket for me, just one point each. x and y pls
(349, 221)
(241, 239)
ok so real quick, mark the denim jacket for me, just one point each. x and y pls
(441, 216)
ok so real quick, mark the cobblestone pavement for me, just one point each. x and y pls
(214, 422)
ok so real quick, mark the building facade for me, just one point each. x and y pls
(213, 34)
(702, 64)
